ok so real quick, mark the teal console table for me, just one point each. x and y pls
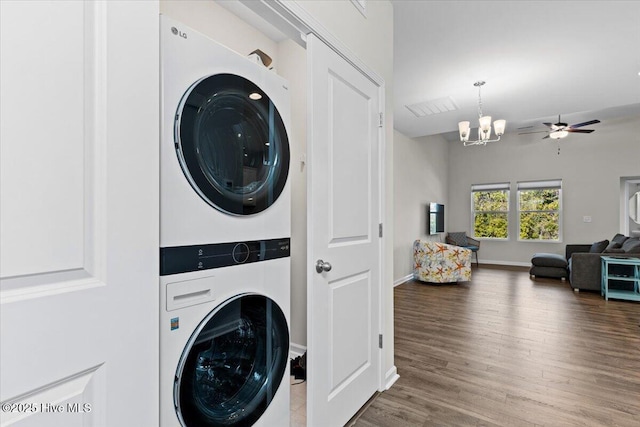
(628, 277)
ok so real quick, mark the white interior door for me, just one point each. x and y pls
(343, 204)
(79, 213)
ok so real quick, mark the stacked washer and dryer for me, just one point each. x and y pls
(224, 235)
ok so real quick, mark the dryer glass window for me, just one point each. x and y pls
(233, 364)
(232, 144)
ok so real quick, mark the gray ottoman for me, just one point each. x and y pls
(549, 265)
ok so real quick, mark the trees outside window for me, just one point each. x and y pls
(539, 210)
(490, 210)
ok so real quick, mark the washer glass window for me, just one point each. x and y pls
(233, 364)
(232, 144)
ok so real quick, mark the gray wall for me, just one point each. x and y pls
(590, 166)
(421, 170)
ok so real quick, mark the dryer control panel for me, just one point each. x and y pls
(183, 259)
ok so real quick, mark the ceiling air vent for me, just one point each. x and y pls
(435, 106)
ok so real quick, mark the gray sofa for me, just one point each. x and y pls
(585, 263)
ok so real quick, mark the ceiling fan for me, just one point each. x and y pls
(561, 130)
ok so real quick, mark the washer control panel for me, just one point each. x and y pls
(183, 259)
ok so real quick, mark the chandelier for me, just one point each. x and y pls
(484, 128)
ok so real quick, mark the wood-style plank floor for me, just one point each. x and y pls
(508, 350)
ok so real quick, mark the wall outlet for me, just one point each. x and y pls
(586, 218)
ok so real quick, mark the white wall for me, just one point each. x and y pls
(420, 166)
(590, 166)
(218, 23)
(293, 67)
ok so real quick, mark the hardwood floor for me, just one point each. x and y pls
(508, 350)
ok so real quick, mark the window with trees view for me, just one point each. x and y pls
(539, 210)
(490, 206)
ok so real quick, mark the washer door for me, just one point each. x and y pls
(232, 144)
(233, 364)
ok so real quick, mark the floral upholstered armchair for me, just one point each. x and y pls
(440, 263)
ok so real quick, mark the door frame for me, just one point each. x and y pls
(625, 194)
(296, 23)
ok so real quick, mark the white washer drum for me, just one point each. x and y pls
(232, 144)
(233, 364)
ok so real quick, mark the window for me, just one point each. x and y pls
(540, 210)
(490, 210)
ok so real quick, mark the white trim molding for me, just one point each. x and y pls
(391, 377)
(402, 280)
(361, 5)
(296, 350)
(294, 21)
(508, 263)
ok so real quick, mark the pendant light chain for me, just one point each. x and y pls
(479, 84)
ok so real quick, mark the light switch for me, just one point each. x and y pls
(586, 218)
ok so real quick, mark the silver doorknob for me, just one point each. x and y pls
(322, 266)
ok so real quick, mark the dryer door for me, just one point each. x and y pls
(233, 364)
(232, 144)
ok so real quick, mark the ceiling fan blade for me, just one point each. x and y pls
(546, 137)
(579, 130)
(537, 131)
(548, 124)
(590, 122)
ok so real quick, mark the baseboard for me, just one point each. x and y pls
(484, 262)
(296, 350)
(509, 263)
(402, 280)
(391, 377)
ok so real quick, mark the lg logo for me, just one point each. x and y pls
(176, 32)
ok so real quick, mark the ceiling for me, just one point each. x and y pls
(580, 59)
(539, 59)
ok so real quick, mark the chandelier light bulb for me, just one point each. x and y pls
(485, 123)
(484, 134)
(484, 128)
(465, 130)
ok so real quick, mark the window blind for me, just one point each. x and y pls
(490, 187)
(539, 185)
